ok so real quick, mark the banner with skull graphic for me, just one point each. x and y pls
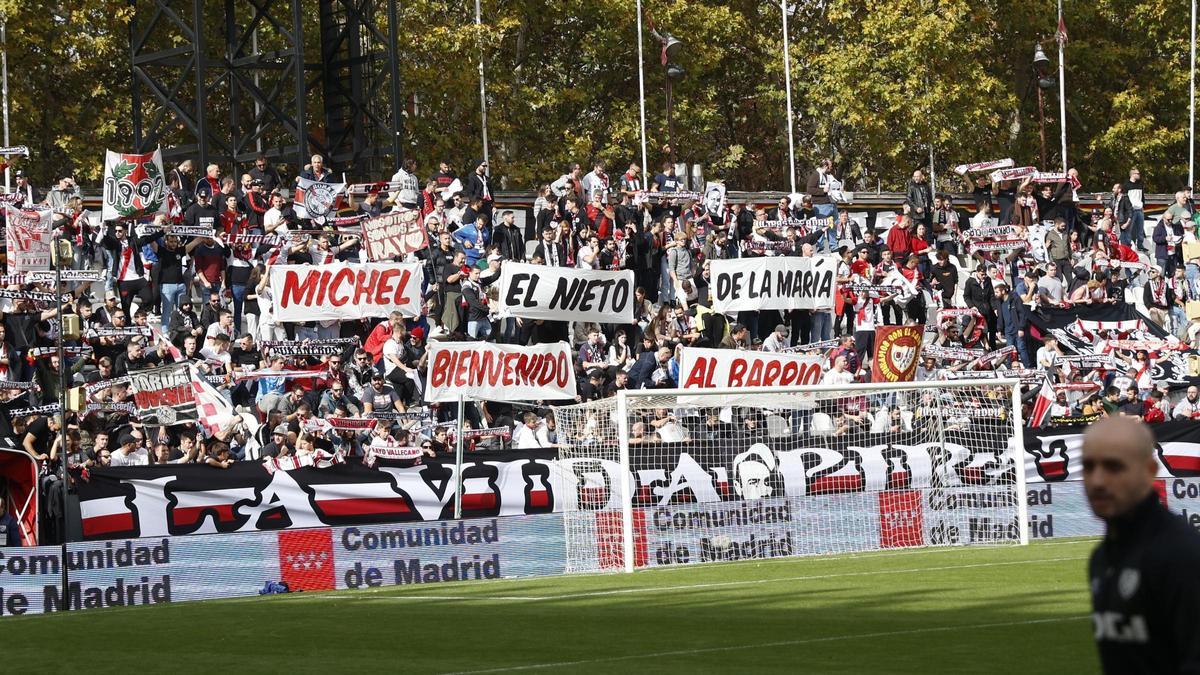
(317, 201)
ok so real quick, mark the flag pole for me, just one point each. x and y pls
(1062, 86)
(1191, 107)
(482, 84)
(642, 94)
(787, 76)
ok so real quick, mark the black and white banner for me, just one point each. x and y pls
(164, 394)
(748, 284)
(1056, 454)
(566, 294)
(191, 499)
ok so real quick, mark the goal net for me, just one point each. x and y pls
(669, 477)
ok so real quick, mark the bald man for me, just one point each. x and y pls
(1145, 574)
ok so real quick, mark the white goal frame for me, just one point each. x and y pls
(622, 413)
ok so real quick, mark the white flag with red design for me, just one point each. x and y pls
(212, 410)
(1041, 407)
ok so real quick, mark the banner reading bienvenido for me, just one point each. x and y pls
(566, 294)
(27, 232)
(394, 235)
(134, 185)
(748, 284)
(498, 372)
(701, 368)
(164, 395)
(897, 349)
(346, 290)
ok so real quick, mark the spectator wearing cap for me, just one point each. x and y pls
(777, 341)
(129, 451)
(378, 396)
(25, 188)
(280, 444)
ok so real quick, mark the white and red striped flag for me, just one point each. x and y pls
(1041, 407)
(212, 410)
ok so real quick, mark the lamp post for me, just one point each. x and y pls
(1040, 60)
(670, 49)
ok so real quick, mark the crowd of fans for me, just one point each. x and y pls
(206, 300)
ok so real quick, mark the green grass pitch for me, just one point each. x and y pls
(962, 610)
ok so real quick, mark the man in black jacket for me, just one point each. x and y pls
(508, 238)
(1012, 317)
(1143, 581)
(478, 186)
(977, 293)
(919, 198)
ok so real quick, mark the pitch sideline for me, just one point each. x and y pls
(763, 645)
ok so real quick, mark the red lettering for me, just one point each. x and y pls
(340, 277)
(696, 376)
(527, 366)
(437, 374)
(546, 370)
(383, 289)
(812, 374)
(296, 291)
(737, 370)
(464, 365)
(362, 288)
(771, 376)
(402, 287)
(509, 360)
(789, 373)
(479, 367)
(323, 289)
(495, 368)
(563, 372)
(754, 379)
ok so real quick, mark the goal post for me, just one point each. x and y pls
(668, 477)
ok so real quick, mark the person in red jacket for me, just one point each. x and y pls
(381, 334)
(900, 237)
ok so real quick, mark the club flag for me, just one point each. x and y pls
(317, 201)
(897, 349)
(1061, 35)
(1041, 407)
(134, 185)
(212, 410)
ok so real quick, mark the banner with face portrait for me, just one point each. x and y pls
(714, 199)
(566, 294)
(748, 284)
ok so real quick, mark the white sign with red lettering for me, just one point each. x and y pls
(500, 372)
(707, 368)
(346, 290)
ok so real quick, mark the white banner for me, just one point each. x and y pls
(345, 290)
(28, 238)
(705, 368)
(317, 201)
(500, 372)
(565, 294)
(746, 284)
